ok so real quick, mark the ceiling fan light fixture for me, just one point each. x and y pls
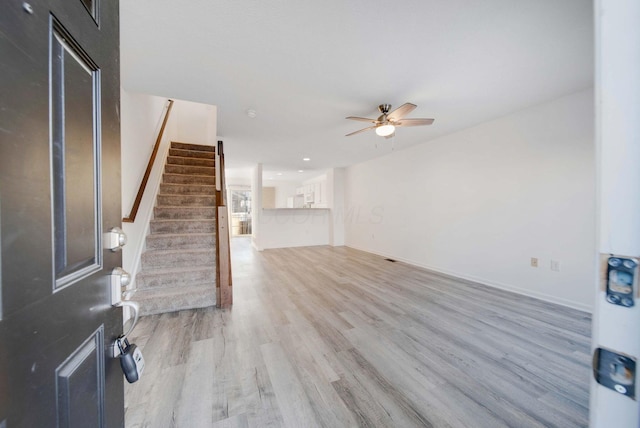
(385, 125)
(385, 130)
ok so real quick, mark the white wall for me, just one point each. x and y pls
(317, 179)
(238, 182)
(196, 123)
(142, 117)
(480, 203)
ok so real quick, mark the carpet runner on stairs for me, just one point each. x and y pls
(178, 264)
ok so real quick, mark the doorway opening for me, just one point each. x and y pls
(240, 212)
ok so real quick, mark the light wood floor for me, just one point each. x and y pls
(335, 337)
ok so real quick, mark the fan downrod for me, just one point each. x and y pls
(384, 108)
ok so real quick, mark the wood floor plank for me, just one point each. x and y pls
(386, 393)
(335, 337)
(295, 407)
(262, 406)
(194, 406)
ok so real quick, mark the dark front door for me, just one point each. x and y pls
(59, 192)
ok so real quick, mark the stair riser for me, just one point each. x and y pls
(161, 304)
(184, 279)
(189, 179)
(195, 147)
(192, 154)
(183, 242)
(184, 213)
(178, 259)
(187, 189)
(178, 160)
(205, 226)
(190, 170)
(186, 200)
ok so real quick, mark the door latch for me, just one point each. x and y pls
(622, 278)
(119, 280)
(115, 239)
(615, 371)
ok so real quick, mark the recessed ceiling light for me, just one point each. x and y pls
(301, 170)
(279, 173)
(252, 113)
(306, 159)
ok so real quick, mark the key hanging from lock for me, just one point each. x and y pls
(131, 359)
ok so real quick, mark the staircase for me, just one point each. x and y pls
(178, 267)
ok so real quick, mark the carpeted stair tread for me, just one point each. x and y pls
(193, 147)
(182, 160)
(173, 199)
(171, 299)
(161, 226)
(155, 259)
(175, 290)
(189, 179)
(192, 153)
(184, 212)
(169, 241)
(190, 170)
(175, 276)
(191, 188)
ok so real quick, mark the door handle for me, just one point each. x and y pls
(136, 315)
(120, 278)
(131, 359)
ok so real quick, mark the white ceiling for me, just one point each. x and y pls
(306, 65)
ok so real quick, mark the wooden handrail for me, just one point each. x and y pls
(136, 204)
(223, 178)
(224, 290)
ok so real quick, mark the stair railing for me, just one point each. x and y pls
(136, 204)
(224, 294)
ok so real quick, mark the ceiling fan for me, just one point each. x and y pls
(386, 124)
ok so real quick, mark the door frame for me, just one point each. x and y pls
(617, 109)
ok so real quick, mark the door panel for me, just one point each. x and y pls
(75, 130)
(59, 142)
(80, 383)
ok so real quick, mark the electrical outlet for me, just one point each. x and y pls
(555, 265)
(534, 262)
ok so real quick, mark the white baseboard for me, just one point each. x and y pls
(483, 281)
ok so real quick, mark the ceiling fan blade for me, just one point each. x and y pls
(413, 122)
(401, 111)
(361, 130)
(361, 119)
